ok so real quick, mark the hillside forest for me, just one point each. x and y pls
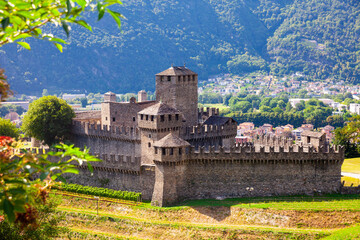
(316, 37)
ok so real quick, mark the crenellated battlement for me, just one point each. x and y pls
(208, 131)
(118, 133)
(266, 140)
(248, 151)
(208, 111)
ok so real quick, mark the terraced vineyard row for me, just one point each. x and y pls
(204, 220)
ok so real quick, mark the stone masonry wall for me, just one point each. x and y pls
(119, 148)
(227, 174)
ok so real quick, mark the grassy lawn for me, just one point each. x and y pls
(295, 217)
(350, 233)
(351, 165)
(350, 180)
(317, 203)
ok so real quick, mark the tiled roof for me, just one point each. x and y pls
(159, 109)
(216, 120)
(171, 140)
(308, 133)
(176, 71)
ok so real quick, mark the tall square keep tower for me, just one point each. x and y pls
(177, 87)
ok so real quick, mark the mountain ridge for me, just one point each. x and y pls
(316, 37)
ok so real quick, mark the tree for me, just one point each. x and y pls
(242, 106)
(84, 102)
(348, 136)
(49, 120)
(23, 19)
(300, 106)
(4, 86)
(7, 128)
(335, 121)
(265, 109)
(25, 178)
(302, 93)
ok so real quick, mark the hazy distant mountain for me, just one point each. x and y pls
(317, 37)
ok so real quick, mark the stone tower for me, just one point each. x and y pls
(155, 122)
(177, 87)
(109, 97)
(142, 96)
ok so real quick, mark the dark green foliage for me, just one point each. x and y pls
(348, 136)
(84, 102)
(210, 98)
(316, 37)
(43, 222)
(278, 111)
(9, 129)
(48, 119)
(101, 192)
(5, 109)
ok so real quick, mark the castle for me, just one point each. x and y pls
(169, 150)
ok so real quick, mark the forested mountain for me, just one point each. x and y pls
(317, 37)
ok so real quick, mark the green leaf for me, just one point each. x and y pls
(59, 46)
(84, 24)
(71, 170)
(23, 35)
(19, 205)
(61, 178)
(24, 45)
(68, 6)
(17, 191)
(57, 40)
(43, 175)
(9, 210)
(116, 16)
(101, 11)
(91, 169)
(82, 3)
(5, 22)
(66, 28)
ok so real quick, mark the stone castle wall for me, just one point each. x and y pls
(207, 171)
(212, 174)
(120, 150)
(209, 135)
